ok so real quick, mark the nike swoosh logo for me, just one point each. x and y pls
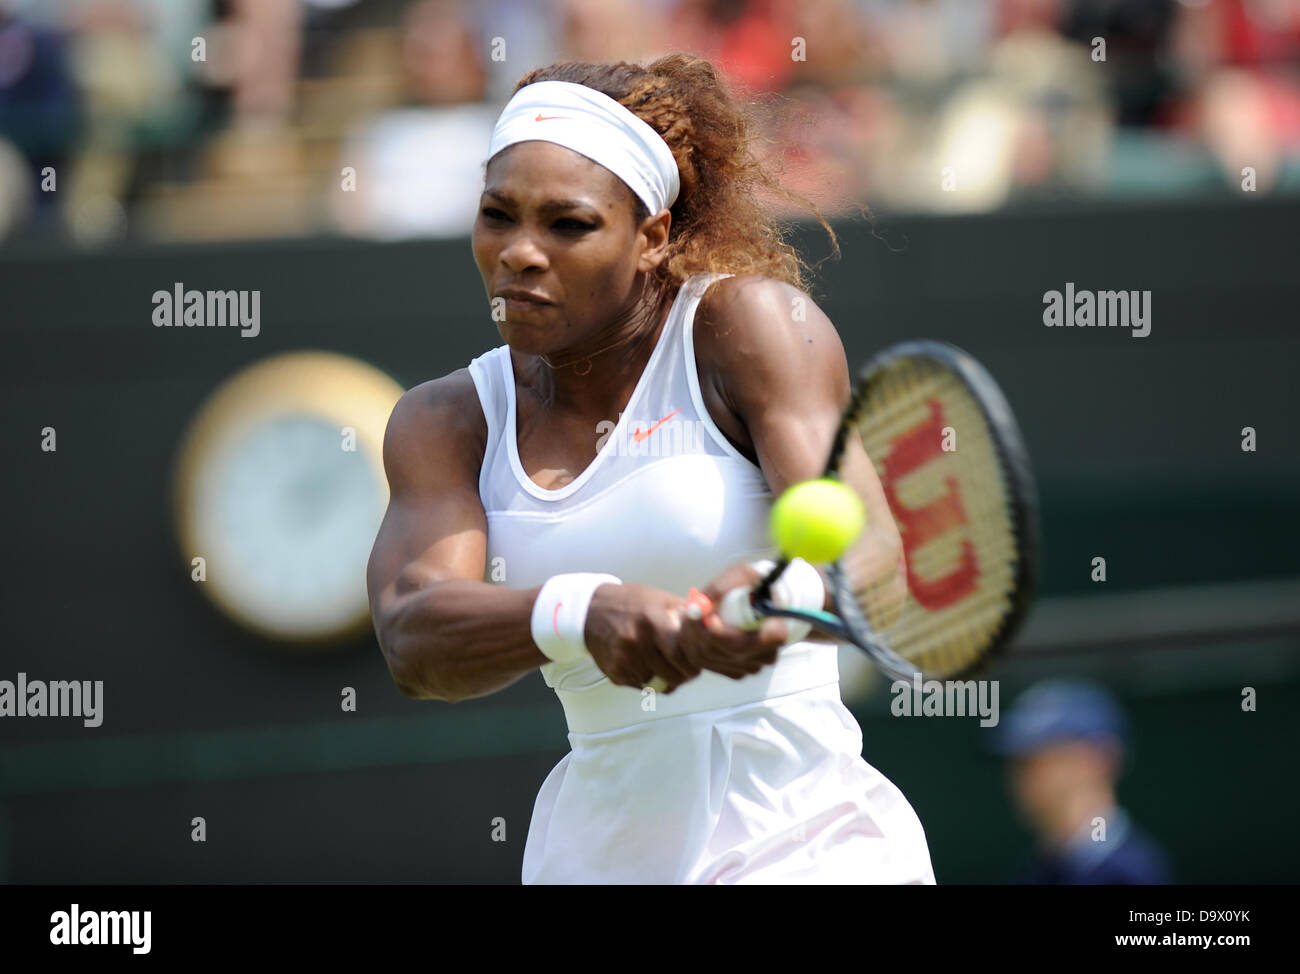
(546, 118)
(640, 435)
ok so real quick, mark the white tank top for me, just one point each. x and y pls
(722, 781)
(668, 502)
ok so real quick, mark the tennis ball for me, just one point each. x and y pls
(817, 520)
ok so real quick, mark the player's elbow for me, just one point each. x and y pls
(415, 687)
(409, 663)
(412, 689)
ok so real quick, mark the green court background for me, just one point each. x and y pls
(1136, 443)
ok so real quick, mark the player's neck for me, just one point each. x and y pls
(597, 377)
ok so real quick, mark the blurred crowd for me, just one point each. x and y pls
(225, 119)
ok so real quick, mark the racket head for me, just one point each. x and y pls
(968, 516)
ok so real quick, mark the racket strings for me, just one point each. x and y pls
(953, 509)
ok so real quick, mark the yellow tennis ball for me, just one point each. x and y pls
(817, 520)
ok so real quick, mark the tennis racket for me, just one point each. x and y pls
(948, 452)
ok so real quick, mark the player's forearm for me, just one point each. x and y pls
(455, 640)
(888, 588)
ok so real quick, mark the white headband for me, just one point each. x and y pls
(594, 125)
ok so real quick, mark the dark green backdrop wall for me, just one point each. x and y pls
(1136, 442)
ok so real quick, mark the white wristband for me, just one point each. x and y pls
(560, 614)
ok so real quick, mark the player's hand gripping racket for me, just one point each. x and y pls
(949, 455)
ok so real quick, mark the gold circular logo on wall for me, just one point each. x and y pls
(279, 488)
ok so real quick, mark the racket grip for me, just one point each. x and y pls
(799, 587)
(735, 608)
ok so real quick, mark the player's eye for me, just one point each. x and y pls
(492, 213)
(574, 225)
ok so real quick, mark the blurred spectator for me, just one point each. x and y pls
(131, 60)
(610, 30)
(1239, 68)
(1138, 78)
(520, 34)
(419, 168)
(933, 105)
(749, 39)
(15, 189)
(930, 42)
(835, 43)
(1064, 740)
(269, 43)
(38, 115)
(1031, 121)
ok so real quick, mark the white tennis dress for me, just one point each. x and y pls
(759, 780)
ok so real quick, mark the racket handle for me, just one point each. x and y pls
(735, 608)
(799, 587)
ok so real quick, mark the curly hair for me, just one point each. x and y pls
(719, 223)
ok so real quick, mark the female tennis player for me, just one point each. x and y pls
(664, 376)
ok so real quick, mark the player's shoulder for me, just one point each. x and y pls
(752, 327)
(437, 423)
(739, 295)
(450, 402)
(758, 312)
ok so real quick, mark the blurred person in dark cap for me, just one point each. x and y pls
(1064, 741)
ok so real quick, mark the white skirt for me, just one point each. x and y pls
(774, 791)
